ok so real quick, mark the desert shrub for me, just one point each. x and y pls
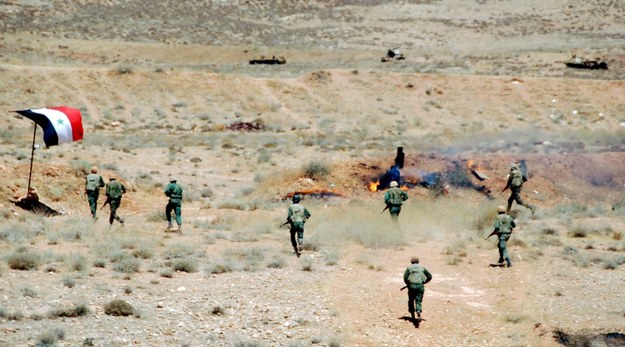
(185, 265)
(69, 282)
(206, 192)
(127, 265)
(11, 315)
(307, 264)
(76, 262)
(332, 257)
(101, 263)
(143, 253)
(578, 231)
(24, 260)
(276, 263)
(218, 310)
(69, 311)
(127, 289)
(178, 251)
(252, 257)
(613, 263)
(167, 273)
(316, 170)
(123, 70)
(119, 308)
(50, 337)
(221, 267)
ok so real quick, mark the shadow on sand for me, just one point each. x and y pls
(414, 322)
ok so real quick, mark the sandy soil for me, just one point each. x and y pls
(161, 88)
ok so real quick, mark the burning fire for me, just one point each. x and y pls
(373, 186)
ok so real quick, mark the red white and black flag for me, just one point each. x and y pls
(60, 124)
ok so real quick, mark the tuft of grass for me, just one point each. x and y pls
(69, 282)
(220, 268)
(307, 264)
(218, 310)
(143, 253)
(185, 265)
(50, 337)
(69, 311)
(167, 273)
(578, 231)
(24, 260)
(76, 262)
(276, 263)
(119, 308)
(101, 263)
(316, 170)
(11, 315)
(127, 265)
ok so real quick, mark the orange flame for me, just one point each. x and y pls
(471, 165)
(373, 186)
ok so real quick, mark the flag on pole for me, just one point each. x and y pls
(60, 124)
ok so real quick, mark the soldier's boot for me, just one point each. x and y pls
(419, 314)
(179, 228)
(532, 208)
(412, 315)
(169, 225)
(508, 208)
(508, 262)
(500, 261)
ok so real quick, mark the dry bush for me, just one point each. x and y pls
(307, 264)
(119, 308)
(127, 265)
(76, 262)
(184, 265)
(50, 337)
(316, 170)
(276, 263)
(11, 315)
(221, 267)
(69, 311)
(24, 260)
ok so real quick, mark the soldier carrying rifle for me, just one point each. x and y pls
(297, 216)
(415, 278)
(503, 229)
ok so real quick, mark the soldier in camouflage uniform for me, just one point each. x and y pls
(415, 278)
(174, 192)
(394, 198)
(93, 183)
(114, 192)
(515, 182)
(297, 216)
(503, 228)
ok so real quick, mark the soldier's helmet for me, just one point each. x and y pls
(296, 198)
(173, 180)
(514, 166)
(414, 260)
(393, 184)
(501, 209)
(94, 169)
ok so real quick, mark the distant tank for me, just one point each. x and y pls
(582, 63)
(393, 54)
(268, 60)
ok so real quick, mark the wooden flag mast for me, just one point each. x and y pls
(32, 155)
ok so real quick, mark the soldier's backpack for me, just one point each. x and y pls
(394, 197)
(299, 214)
(416, 274)
(517, 178)
(93, 182)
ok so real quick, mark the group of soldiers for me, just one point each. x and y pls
(114, 191)
(415, 275)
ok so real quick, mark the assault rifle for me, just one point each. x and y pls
(495, 232)
(285, 223)
(386, 208)
(402, 288)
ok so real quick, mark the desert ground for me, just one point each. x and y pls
(166, 91)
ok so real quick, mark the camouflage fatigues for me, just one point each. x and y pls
(503, 226)
(114, 192)
(174, 192)
(93, 183)
(415, 277)
(394, 198)
(515, 183)
(297, 217)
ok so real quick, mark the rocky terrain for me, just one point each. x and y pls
(166, 91)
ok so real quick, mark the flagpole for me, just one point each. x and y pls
(32, 155)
